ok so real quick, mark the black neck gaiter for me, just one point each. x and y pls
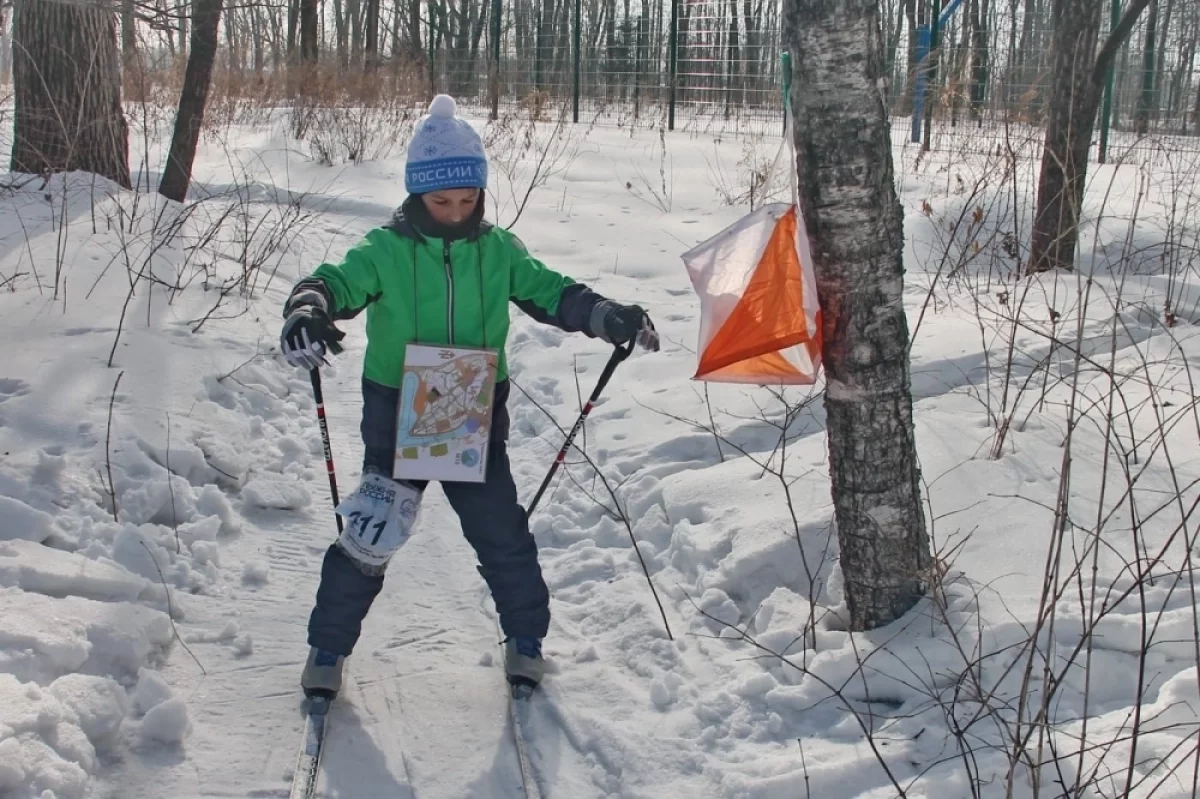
(416, 212)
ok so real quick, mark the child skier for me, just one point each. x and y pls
(437, 273)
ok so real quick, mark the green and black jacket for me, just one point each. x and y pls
(422, 283)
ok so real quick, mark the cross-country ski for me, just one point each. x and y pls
(308, 763)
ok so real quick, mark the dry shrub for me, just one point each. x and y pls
(315, 94)
(356, 117)
(536, 105)
(344, 115)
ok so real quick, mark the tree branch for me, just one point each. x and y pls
(112, 487)
(1116, 38)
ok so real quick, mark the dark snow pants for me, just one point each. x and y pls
(492, 520)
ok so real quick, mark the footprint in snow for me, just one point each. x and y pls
(12, 387)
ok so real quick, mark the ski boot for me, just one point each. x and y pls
(523, 663)
(322, 675)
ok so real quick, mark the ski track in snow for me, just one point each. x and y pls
(99, 699)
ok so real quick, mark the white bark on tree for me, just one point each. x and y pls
(854, 223)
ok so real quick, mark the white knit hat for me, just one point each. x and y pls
(445, 152)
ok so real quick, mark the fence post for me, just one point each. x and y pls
(919, 77)
(1106, 113)
(935, 42)
(673, 67)
(578, 57)
(494, 88)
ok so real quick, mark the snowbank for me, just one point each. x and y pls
(49, 736)
(140, 430)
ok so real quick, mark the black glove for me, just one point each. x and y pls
(623, 323)
(307, 333)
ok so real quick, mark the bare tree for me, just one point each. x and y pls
(5, 48)
(372, 44)
(206, 17)
(854, 223)
(416, 50)
(1078, 76)
(1148, 98)
(1164, 45)
(67, 81)
(308, 31)
(910, 59)
(128, 34)
(1196, 111)
(340, 33)
(293, 30)
(1177, 93)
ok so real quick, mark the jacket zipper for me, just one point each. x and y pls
(449, 291)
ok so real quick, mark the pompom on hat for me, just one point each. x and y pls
(445, 152)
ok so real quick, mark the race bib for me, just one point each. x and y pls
(380, 516)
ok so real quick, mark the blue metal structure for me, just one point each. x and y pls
(925, 38)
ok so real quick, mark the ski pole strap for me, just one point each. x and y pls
(619, 354)
(319, 397)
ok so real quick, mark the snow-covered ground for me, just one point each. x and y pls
(164, 506)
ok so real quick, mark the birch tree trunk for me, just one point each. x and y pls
(206, 16)
(854, 223)
(67, 81)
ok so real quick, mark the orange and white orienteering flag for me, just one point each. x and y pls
(759, 318)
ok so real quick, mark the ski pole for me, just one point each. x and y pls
(319, 396)
(619, 354)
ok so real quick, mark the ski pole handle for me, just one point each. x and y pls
(319, 396)
(619, 354)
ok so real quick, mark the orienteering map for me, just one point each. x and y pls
(445, 413)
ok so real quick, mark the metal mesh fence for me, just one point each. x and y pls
(617, 62)
(713, 65)
(964, 73)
